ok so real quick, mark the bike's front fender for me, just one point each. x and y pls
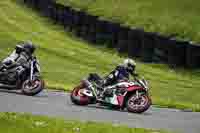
(130, 90)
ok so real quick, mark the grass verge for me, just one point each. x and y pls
(65, 60)
(23, 123)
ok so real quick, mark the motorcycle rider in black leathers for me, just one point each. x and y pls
(19, 57)
(121, 72)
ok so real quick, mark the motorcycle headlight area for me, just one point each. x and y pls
(144, 83)
(38, 66)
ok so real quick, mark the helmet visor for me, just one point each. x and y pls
(19, 49)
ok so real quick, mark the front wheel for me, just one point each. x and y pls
(31, 88)
(77, 97)
(138, 104)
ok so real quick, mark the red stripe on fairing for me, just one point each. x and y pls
(133, 88)
(120, 100)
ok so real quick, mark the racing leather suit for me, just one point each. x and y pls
(15, 59)
(119, 73)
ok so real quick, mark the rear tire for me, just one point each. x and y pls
(77, 98)
(133, 106)
(32, 88)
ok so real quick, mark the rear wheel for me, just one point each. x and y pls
(78, 98)
(32, 88)
(138, 104)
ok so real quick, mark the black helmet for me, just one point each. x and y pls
(29, 47)
(19, 48)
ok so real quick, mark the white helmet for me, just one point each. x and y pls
(129, 64)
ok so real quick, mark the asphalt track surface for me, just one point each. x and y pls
(58, 104)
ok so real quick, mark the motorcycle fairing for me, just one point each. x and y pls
(129, 89)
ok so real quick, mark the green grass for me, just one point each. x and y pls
(65, 60)
(178, 17)
(26, 123)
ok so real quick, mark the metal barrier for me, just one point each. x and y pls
(150, 47)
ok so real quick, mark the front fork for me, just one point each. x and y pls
(137, 94)
(31, 72)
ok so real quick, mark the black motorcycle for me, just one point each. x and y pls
(29, 81)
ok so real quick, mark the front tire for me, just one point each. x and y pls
(31, 88)
(138, 105)
(78, 98)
